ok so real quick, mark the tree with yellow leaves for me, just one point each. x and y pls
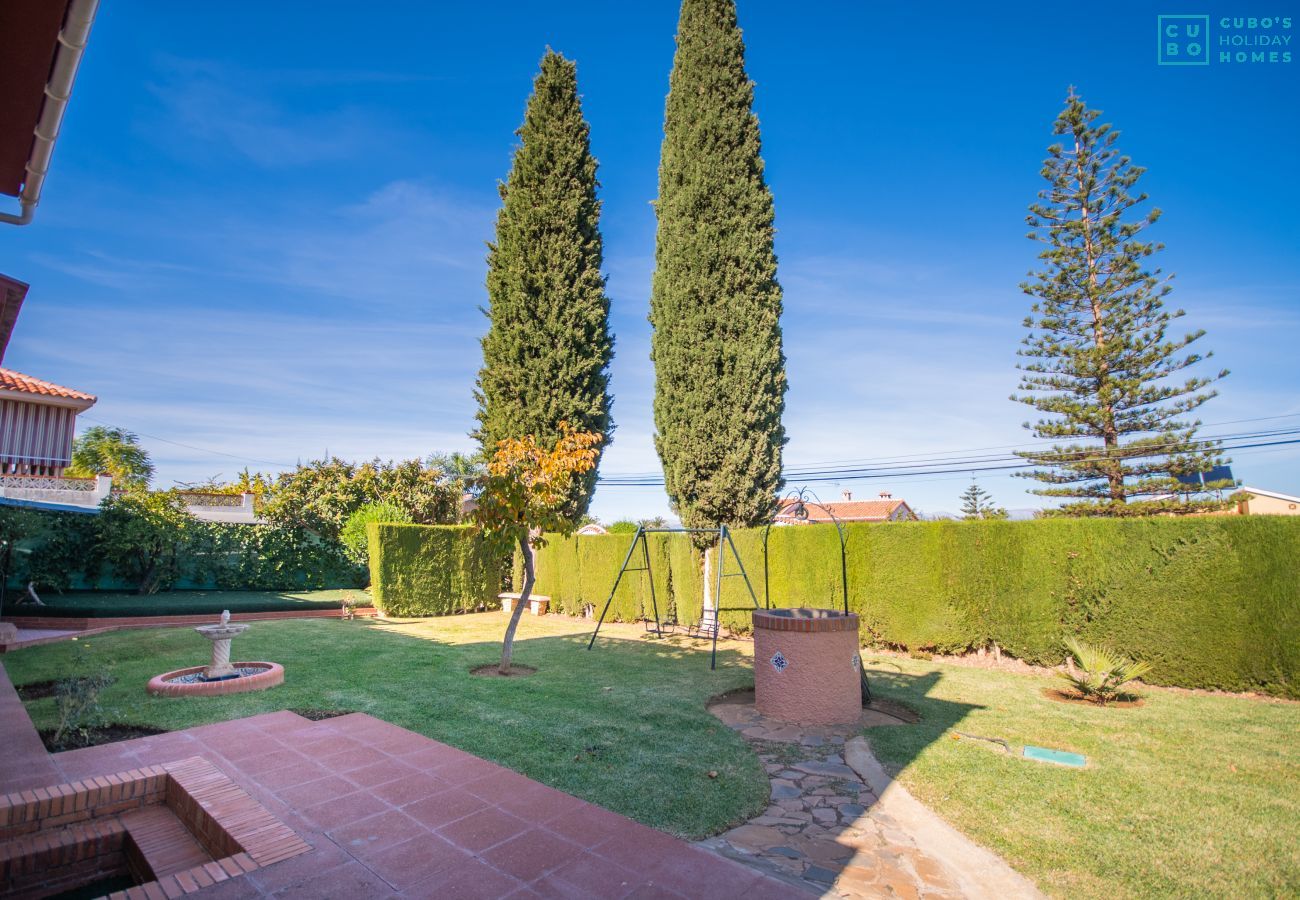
(524, 495)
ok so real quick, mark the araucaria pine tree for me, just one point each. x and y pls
(715, 305)
(1098, 359)
(547, 351)
(977, 503)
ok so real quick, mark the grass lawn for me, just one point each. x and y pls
(182, 603)
(1187, 795)
(624, 726)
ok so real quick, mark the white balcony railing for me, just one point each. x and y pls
(88, 492)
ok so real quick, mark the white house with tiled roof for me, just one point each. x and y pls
(37, 421)
(37, 417)
(883, 509)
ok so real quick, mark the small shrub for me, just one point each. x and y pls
(76, 698)
(1102, 673)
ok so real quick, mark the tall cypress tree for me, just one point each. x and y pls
(547, 352)
(715, 305)
(1100, 361)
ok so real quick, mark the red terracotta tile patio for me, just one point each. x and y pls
(390, 813)
(483, 829)
(471, 879)
(375, 833)
(414, 860)
(531, 855)
(443, 808)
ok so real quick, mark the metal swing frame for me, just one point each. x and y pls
(724, 541)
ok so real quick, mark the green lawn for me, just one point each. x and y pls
(624, 726)
(182, 603)
(1187, 795)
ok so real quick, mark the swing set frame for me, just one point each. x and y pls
(724, 541)
(795, 501)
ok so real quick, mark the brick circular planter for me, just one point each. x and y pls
(163, 685)
(806, 666)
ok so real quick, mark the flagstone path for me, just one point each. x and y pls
(825, 825)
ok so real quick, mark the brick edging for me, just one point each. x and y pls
(239, 833)
(162, 686)
(824, 620)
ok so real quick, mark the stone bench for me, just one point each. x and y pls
(537, 603)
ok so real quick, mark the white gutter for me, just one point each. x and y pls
(67, 57)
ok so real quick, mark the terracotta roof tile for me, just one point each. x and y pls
(847, 510)
(26, 384)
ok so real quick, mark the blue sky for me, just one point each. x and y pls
(263, 234)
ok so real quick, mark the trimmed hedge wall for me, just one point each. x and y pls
(431, 570)
(1209, 602)
(216, 556)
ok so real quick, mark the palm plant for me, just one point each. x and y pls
(1101, 673)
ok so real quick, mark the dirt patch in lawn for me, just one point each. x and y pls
(39, 690)
(317, 715)
(93, 737)
(493, 670)
(1125, 702)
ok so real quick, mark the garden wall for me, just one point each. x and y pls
(431, 570)
(1209, 602)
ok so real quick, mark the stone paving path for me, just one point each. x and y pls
(822, 826)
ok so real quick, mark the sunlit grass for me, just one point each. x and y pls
(624, 726)
(1187, 795)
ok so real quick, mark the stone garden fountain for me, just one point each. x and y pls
(220, 676)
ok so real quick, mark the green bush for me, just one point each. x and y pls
(275, 558)
(355, 537)
(112, 551)
(431, 570)
(143, 537)
(1210, 602)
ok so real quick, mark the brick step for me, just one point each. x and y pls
(164, 842)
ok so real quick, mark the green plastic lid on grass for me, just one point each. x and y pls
(1059, 757)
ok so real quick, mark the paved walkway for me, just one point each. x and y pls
(828, 826)
(390, 813)
(30, 637)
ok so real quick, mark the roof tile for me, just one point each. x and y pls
(26, 384)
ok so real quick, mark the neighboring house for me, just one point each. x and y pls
(37, 417)
(37, 422)
(1260, 502)
(883, 509)
(468, 504)
(234, 509)
(592, 528)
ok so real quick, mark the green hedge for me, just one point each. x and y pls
(1210, 602)
(431, 570)
(60, 551)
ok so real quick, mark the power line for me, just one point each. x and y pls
(191, 446)
(900, 473)
(984, 461)
(881, 460)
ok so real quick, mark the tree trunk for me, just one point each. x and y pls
(508, 645)
(1110, 437)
